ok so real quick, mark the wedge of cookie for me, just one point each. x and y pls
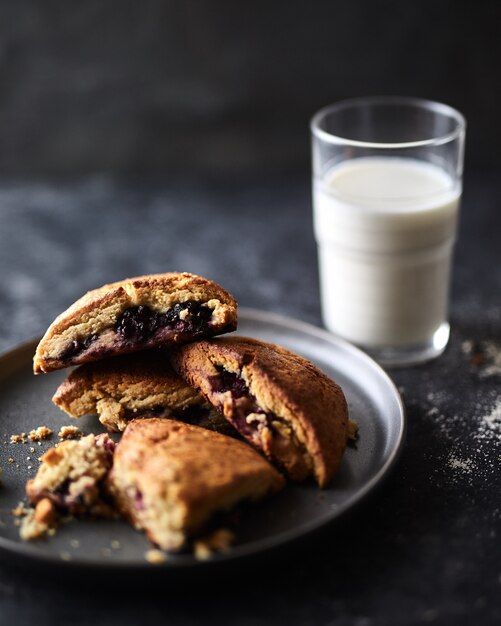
(170, 478)
(135, 385)
(279, 401)
(136, 314)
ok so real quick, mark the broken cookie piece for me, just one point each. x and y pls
(171, 478)
(279, 401)
(136, 314)
(72, 477)
(135, 385)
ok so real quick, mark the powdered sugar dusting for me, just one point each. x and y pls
(470, 432)
(485, 356)
(490, 426)
(463, 465)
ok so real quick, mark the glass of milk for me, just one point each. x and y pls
(386, 188)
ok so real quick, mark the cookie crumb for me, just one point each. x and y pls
(115, 544)
(17, 439)
(69, 432)
(353, 432)
(42, 432)
(155, 557)
(20, 510)
(31, 529)
(219, 541)
(10, 460)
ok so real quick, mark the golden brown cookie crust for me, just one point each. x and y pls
(169, 478)
(122, 386)
(97, 312)
(309, 406)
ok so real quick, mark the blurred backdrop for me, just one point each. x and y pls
(164, 87)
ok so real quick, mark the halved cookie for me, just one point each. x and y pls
(135, 385)
(135, 314)
(170, 478)
(277, 400)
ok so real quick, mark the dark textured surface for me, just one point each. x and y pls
(425, 548)
(160, 86)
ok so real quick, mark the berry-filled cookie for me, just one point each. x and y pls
(136, 314)
(143, 385)
(170, 478)
(279, 401)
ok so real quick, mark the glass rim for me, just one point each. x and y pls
(419, 103)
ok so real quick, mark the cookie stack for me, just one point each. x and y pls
(189, 403)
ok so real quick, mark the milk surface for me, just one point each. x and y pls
(385, 228)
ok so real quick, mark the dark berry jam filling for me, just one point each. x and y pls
(140, 323)
(139, 500)
(244, 403)
(65, 502)
(60, 495)
(76, 347)
(108, 446)
(228, 381)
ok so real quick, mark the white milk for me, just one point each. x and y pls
(385, 228)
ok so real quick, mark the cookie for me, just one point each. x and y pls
(170, 478)
(136, 314)
(279, 401)
(71, 476)
(135, 385)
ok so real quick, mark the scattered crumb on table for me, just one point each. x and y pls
(353, 431)
(219, 541)
(155, 557)
(18, 438)
(69, 432)
(42, 432)
(20, 510)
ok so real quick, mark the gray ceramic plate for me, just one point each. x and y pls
(373, 401)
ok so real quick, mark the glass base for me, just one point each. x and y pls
(411, 355)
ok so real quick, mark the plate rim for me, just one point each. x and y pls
(24, 550)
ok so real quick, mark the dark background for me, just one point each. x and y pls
(224, 88)
(140, 137)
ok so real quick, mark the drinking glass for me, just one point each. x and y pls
(387, 182)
